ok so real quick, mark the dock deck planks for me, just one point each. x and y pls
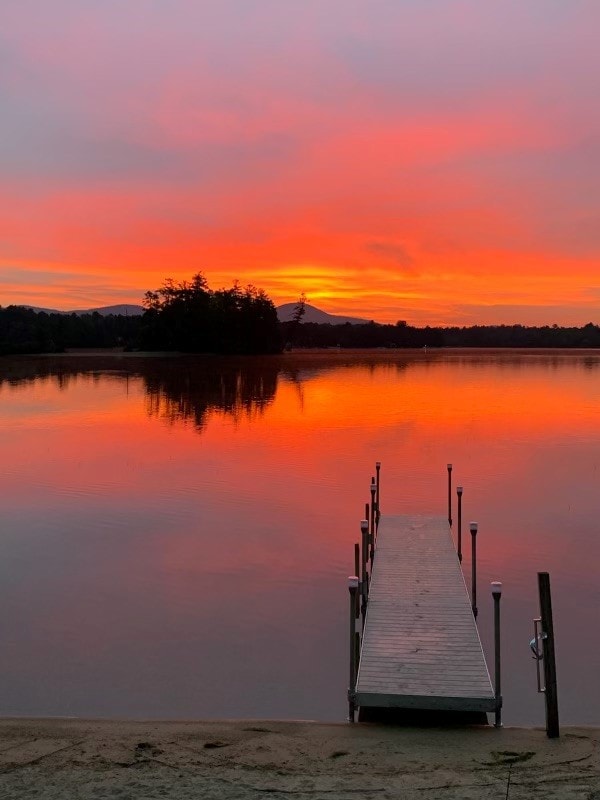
(421, 648)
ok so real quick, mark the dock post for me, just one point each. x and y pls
(357, 572)
(373, 512)
(356, 659)
(364, 581)
(449, 494)
(378, 470)
(473, 527)
(459, 492)
(353, 589)
(551, 693)
(497, 594)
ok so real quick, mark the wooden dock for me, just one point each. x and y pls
(420, 644)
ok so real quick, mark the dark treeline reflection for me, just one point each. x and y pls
(177, 389)
(302, 365)
(188, 388)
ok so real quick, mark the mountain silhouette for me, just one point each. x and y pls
(314, 314)
(122, 309)
(284, 312)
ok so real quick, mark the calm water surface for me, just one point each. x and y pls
(176, 534)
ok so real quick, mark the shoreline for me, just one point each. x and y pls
(77, 758)
(117, 351)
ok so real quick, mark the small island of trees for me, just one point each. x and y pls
(189, 317)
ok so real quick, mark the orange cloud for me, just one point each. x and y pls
(388, 176)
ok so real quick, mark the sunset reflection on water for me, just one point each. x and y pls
(177, 532)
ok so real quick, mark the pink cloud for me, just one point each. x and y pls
(255, 140)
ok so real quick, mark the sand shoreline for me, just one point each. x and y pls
(75, 758)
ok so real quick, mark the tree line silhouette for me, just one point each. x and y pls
(190, 317)
(25, 331)
(401, 335)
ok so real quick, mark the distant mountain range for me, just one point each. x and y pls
(284, 312)
(125, 309)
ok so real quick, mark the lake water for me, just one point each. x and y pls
(176, 533)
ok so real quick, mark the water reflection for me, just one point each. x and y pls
(176, 389)
(189, 390)
(177, 532)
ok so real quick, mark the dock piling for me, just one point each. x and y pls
(378, 470)
(449, 494)
(551, 693)
(353, 589)
(497, 594)
(356, 660)
(459, 492)
(357, 572)
(373, 489)
(364, 580)
(473, 528)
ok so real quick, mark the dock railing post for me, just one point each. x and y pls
(449, 494)
(497, 594)
(373, 512)
(368, 542)
(357, 572)
(364, 579)
(353, 589)
(551, 693)
(459, 492)
(378, 470)
(473, 528)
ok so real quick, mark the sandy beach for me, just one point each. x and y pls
(60, 758)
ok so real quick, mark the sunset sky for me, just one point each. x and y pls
(426, 160)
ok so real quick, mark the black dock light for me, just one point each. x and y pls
(497, 594)
(473, 528)
(353, 589)
(449, 494)
(459, 492)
